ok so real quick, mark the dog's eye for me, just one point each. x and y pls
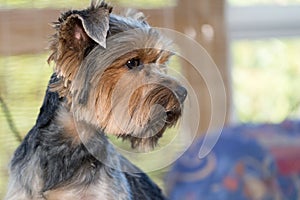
(133, 63)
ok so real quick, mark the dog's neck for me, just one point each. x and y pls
(78, 131)
(93, 138)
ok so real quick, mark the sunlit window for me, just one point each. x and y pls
(266, 79)
(265, 44)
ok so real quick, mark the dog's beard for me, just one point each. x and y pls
(146, 126)
(146, 138)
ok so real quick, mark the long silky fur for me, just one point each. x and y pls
(66, 155)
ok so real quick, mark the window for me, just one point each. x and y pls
(265, 44)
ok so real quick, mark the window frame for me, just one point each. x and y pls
(263, 21)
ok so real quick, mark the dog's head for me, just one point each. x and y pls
(112, 73)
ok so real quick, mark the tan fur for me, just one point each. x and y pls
(66, 120)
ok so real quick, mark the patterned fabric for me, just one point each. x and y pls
(248, 162)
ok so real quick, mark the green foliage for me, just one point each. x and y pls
(23, 81)
(266, 79)
(43, 3)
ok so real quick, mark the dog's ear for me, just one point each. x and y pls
(77, 32)
(94, 23)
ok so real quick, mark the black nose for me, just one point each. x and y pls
(181, 93)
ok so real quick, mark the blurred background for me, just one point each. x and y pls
(255, 44)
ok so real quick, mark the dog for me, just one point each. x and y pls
(110, 77)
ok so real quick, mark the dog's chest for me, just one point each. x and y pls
(109, 188)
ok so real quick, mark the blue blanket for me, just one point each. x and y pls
(260, 162)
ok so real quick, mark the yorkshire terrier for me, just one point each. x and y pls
(110, 78)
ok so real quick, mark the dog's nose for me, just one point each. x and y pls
(181, 93)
